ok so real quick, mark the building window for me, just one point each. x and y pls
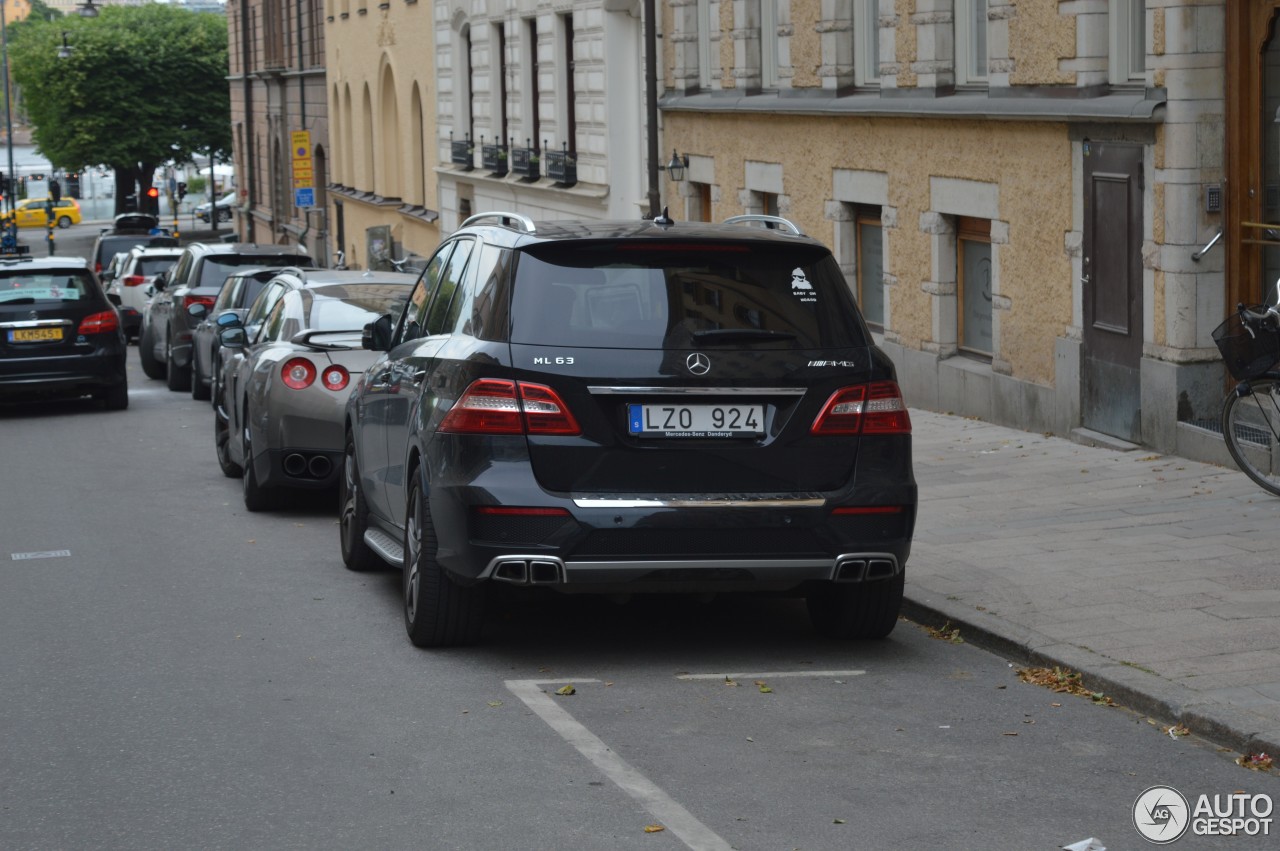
(1128, 41)
(866, 48)
(533, 123)
(973, 285)
(704, 44)
(699, 206)
(870, 264)
(769, 44)
(568, 94)
(971, 41)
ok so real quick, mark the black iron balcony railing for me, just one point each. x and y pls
(524, 162)
(494, 158)
(462, 153)
(562, 167)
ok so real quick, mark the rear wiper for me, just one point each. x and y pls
(728, 335)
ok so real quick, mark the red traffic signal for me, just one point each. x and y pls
(153, 192)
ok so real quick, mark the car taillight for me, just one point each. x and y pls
(298, 373)
(100, 323)
(133, 280)
(875, 408)
(206, 300)
(335, 377)
(499, 406)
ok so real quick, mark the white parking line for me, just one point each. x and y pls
(660, 805)
(40, 554)
(769, 675)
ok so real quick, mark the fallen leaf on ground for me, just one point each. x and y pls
(653, 828)
(764, 687)
(495, 703)
(730, 682)
(1177, 731)
(946, 632)
(1255, 762)
(840, 821)
(1062, 680)
(564, 691)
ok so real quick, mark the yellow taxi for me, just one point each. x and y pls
(31, 213)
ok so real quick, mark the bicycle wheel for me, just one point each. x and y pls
(1251, 429)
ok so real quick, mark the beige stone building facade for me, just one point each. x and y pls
(1017, 190)
(382, 195)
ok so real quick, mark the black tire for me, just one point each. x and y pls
(64, 222)
(256, 497)
(438, 612)
(224, 215)
(116, 397)
(866, 610)
(199, 390)
(1251, 429)
(151, 366)
(353, 516)
(222, 445)
(179, 377)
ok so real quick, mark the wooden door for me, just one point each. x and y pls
(1111, 278)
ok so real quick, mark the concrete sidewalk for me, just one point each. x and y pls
(1154, 576)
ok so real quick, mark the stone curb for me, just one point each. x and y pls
(1133, 688)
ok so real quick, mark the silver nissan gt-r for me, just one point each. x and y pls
(289, 367)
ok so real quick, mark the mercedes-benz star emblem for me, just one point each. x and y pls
(698, 363)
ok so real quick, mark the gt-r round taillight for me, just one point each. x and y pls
(335, 377)
(298, 373)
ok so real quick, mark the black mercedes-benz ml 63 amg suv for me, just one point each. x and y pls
(630, 407)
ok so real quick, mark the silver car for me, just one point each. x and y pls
(130, 281)
(287, 372)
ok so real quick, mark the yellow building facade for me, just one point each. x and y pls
(382, 93)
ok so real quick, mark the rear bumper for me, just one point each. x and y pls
(684, 543)
(62, 375)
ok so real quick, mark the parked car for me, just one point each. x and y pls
(59, 336)
(284, 390)
(164, 343)
(629, 407)
(34, 212)
(129, 283)
(237, 294)
(225, 206)
(128, 230)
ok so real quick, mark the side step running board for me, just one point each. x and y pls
(388, 548)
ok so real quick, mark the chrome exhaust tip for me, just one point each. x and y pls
(528, 571)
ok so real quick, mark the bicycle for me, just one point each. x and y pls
(1250, 344)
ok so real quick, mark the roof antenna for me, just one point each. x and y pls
(664, 219)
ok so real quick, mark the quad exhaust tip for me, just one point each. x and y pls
(530, 571)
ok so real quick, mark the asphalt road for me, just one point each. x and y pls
(179, 673)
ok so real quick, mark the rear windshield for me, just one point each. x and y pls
(110, 245)
(153, 265)
(343, 308)
(44, 287)
(642, 294)
(214, 270)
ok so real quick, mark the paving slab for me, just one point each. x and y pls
(1154, 576)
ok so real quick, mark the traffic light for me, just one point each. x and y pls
(55, 190)
(153, 201)
(182, 190)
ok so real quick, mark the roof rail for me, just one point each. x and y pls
(771, 222)
(525, 223)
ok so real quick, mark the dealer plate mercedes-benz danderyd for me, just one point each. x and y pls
(630, 407)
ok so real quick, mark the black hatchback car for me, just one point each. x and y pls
(59, 336)
(630, 407)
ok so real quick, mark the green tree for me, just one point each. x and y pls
(142, 86)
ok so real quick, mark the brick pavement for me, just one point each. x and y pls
(1154, 576)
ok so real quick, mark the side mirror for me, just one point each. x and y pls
(228, 319)
(233, 338)
(107, 275)
(197, 311)
(377, 334)
(114, 299)
(160, 281)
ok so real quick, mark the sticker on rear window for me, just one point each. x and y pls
(801, 288)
